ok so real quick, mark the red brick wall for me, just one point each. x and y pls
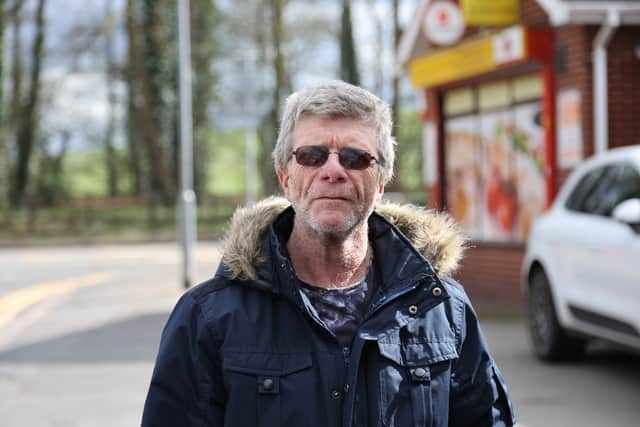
(576, 45)
(532, 15)
(574, 71)
(624, 87)
(492, 271)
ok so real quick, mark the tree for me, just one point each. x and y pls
(269, 131)
(110, 74)
(396, 185)
(348, 58)
(204, 45)
(26, 131)
(4, 152)
(142, 87)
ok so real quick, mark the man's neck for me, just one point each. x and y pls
(328, 261)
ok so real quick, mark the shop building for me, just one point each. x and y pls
(516, 93)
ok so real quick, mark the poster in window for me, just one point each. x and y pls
(429, 154)
(528, 142)
(463, 169)
(499, 187)
(569, 128)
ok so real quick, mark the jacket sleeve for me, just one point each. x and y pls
(186, 386)
(479, 395)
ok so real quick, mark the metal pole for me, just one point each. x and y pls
(187, 197)
(251, 167)
(600, 81)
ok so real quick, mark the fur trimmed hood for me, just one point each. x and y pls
(435, 235)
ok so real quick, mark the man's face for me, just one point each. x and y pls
(331, 199)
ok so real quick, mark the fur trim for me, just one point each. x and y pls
(435, 235)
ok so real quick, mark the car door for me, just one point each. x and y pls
(606, 275)
(573, 242)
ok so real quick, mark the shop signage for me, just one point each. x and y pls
(469, 58)
(494, 12)
(569, 128)
(443, 23)
(508, 45)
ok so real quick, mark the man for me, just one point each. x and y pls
(330, 308)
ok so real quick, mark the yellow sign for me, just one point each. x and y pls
(468, 58)
(494, 12)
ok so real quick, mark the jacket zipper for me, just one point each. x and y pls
(383, 302)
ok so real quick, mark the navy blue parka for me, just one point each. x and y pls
(245, 349)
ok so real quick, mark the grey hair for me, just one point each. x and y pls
(337, 99)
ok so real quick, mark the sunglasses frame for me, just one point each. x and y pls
(326, 152)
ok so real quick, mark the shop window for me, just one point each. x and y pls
(495, 161)
(459, 101)
(494, 95)
(527, 88)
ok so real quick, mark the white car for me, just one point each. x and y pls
(581, 271)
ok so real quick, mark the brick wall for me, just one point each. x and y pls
(532, 15)
(624, 87)
(574, 70)
(491, 271)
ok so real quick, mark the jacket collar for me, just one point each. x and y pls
(257, 234)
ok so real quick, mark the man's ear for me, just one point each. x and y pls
(379, 193)
(283, 178)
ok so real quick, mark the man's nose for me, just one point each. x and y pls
(332, 170)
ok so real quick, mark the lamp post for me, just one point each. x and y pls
(187, 197)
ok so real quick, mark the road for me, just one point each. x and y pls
(79, 329)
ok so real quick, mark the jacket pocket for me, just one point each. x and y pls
(256, 383)
(414, 382)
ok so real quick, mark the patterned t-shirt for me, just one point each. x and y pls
(342, 309)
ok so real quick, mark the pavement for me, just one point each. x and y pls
(78, 339)
(80, 328)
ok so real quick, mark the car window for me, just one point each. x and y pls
(585, 187)
(629, 184)
(602, 189)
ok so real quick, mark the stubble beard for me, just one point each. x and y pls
(336, 231)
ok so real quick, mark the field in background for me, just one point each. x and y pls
(80, 208)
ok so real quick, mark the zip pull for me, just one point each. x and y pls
(346, 353)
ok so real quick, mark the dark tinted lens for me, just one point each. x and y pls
(353, 158)
(311, 155)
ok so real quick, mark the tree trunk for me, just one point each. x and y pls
(160, 177)
(348, 58)
(16, 68)
(26, 135)
(111, 161)
(204, 20)
(269, 132)
(396, 184)
(4, 151)
(133, 136)
(2, 20)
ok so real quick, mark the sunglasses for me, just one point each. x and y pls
(349, 158)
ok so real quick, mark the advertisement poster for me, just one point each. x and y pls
(528, 142)
(499, 187)
(569, 128)
(463, 158)
(429, 154)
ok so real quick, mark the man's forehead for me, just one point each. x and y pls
(320, 122)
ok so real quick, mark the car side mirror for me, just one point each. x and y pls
(628, 212)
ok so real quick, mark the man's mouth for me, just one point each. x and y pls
(332, 198)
